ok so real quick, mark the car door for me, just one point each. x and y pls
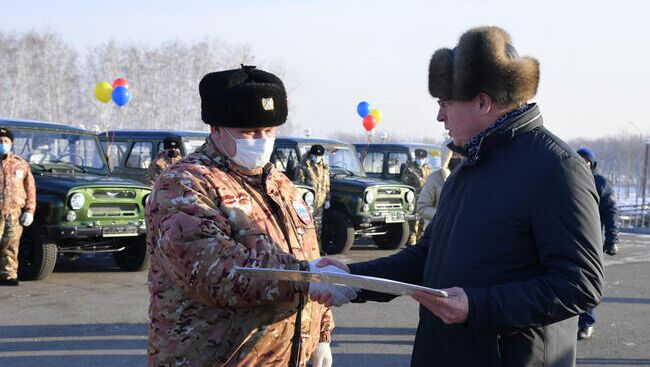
(141, 153)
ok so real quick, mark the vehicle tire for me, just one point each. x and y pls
(397, 235)
(338, 233)
(135, 257)
(36, 258)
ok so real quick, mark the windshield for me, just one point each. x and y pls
(192, 144)
(51, 148)
(340, 158)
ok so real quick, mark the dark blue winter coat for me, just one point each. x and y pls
(518, 229)
(607, 209)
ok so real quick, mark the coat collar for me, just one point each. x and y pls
(508, 126)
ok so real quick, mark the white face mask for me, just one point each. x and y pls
(315, 159)
(252, 153)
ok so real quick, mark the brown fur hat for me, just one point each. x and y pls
(484, 61)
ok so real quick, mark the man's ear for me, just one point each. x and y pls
(484, 103)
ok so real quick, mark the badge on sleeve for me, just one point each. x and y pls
(20, 174)
(302, 211)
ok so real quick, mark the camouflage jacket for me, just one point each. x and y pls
(316, 175)
(158, 166)
(18, 188)
(207, 215)
(415, 175)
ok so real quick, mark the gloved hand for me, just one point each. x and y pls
(339, 294)
(26, 219)
(322, 356)
(327, 205)
(611, 250)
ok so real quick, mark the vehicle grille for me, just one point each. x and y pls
(383, 204)
(388, 191)
(114, 194)
(113, 210)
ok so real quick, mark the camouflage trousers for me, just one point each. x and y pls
(417, 230)
(318, 222)
(10, 232)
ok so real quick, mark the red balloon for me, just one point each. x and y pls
(369, 122)
(120, 82)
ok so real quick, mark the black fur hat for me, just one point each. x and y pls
(246, 97)
(172, 142)
(6, 132)
(317, 150)
(484, 61)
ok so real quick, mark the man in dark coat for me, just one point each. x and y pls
(607, 210)
(515, 241)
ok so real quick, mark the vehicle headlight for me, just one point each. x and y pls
(369, 197)
(308, 197)
(77, 201)
(145, 200)
(410, 196)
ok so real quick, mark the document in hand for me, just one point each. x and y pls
(351, 280)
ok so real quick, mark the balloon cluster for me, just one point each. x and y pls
(118, 92)
(371, 116)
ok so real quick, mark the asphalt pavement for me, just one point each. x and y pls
(90, 313)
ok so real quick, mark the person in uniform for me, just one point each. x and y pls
(607, 210)
(315, 172)
(223, 206)
(18, 202)
(415, 174)
(427, 202)
(170, 155)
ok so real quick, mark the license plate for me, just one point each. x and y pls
(120, 231)
(395, 218)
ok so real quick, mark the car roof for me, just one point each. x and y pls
(133, 133)
(42, 125)
(398, 145)
(302, 140)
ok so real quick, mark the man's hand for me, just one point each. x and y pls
(451, 310)
(26, 219)
(322, 356)
(330, 294)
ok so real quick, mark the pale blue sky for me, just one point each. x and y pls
(595, 56)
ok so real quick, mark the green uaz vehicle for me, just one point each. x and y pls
(360, 206)
(80, 207)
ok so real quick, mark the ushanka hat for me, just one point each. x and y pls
(172, 142)
(6, 132)
(483, 61)
(245, 97)
(317, 150)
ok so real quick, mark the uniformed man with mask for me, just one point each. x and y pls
(222, 206)
(170, 155)
(415, 174)
(18, 203)
(315, 172)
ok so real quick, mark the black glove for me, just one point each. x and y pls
(611, 250)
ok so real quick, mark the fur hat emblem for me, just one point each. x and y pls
(483, 61)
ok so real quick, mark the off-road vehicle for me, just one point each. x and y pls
(360, 206)
(80, 208)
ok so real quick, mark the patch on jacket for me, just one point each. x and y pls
(20, 174)
(302, 211)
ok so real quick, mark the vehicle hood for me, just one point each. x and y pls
(64, 183)
(362, 182)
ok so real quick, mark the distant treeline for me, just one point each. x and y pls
(45, 78)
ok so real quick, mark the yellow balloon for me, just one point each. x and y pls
(103, 91)
(375, 112)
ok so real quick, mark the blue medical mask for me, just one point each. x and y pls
(5, 148)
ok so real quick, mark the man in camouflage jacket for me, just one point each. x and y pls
(18, 202)
(415, 174)
(315, 172)
(224, 206)
(170, 155)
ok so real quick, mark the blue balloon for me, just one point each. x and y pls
(121, 96)
(363, 109)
